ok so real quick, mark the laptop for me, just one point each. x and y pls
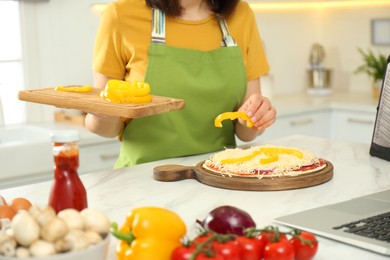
(380, 144)
(363, 222)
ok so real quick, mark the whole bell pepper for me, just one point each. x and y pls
(149, 233)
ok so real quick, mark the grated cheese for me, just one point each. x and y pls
(286, 163)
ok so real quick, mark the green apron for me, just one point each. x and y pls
(210, 83)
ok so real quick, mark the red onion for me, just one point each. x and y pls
(227, 220)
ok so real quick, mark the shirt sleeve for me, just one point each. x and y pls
(246, 32)
(108, 58)
(257, 63)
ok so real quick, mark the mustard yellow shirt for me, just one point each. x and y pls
(125, 32)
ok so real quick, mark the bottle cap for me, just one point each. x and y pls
(62, 136)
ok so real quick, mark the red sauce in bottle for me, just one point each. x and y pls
(67, 189)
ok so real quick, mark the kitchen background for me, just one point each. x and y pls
(58, 36)
(55, 43)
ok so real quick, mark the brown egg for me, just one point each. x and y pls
(7, 212)
(2, 201)
(20, 203)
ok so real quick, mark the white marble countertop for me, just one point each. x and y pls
(116, 192)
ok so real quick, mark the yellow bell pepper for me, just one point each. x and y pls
(119, 91)
(149, 233)
(272, 154)
(232, 116)
(86, 88)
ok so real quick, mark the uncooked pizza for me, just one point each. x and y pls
(264, 161)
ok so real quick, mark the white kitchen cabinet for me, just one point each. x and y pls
(98, 156)
(313, 123)
(19, 169)
(333, 123)
(353, 126)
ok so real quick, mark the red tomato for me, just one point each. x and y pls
(202, 256)
(280, 250)
(304, 251)
(202, 237)
(266, 237)
(230, 250)
(251, 248)
(182, 252)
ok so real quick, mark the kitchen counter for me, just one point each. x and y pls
(116, 192)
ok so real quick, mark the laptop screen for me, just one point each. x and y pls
(380, 144)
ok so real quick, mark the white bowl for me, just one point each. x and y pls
(95, 252)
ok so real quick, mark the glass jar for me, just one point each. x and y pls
(67, 190)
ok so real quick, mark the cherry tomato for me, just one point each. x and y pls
(203, 256)
(266, 237)
(279, 250)
(202, 238)
(182, 252)
(251, 248)
(230, 250)
(304, 250)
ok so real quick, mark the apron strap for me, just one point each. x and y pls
(227, 39)
(158, 29)
(158, 26)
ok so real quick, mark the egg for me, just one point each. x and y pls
(20, 204)
(2, 201)
(6, 212)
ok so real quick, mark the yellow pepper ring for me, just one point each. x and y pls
(74, 88)
(232, 116)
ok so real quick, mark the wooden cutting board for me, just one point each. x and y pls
(181, 172)
(93, 103)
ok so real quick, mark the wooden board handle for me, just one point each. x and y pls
(174, 172)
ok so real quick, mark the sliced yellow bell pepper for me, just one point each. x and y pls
(269, 159)
(149, 233)
(271, 152)
(119, 91)
(86, 88)
(232, 116)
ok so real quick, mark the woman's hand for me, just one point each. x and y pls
(260, 110)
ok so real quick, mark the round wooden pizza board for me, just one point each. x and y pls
(174, 172)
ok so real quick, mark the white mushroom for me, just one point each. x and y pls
(42, 215)
(54, 229)
(7, 245)
(93, 237)
(25, 228)
(62, 245)
(72, 217)
(77, 239)
(42, 248)
(95, 220)
(22, 252)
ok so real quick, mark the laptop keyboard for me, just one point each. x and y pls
(376, 227)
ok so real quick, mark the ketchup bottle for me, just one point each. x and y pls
(67, 190)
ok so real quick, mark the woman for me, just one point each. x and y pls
(207, 52)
